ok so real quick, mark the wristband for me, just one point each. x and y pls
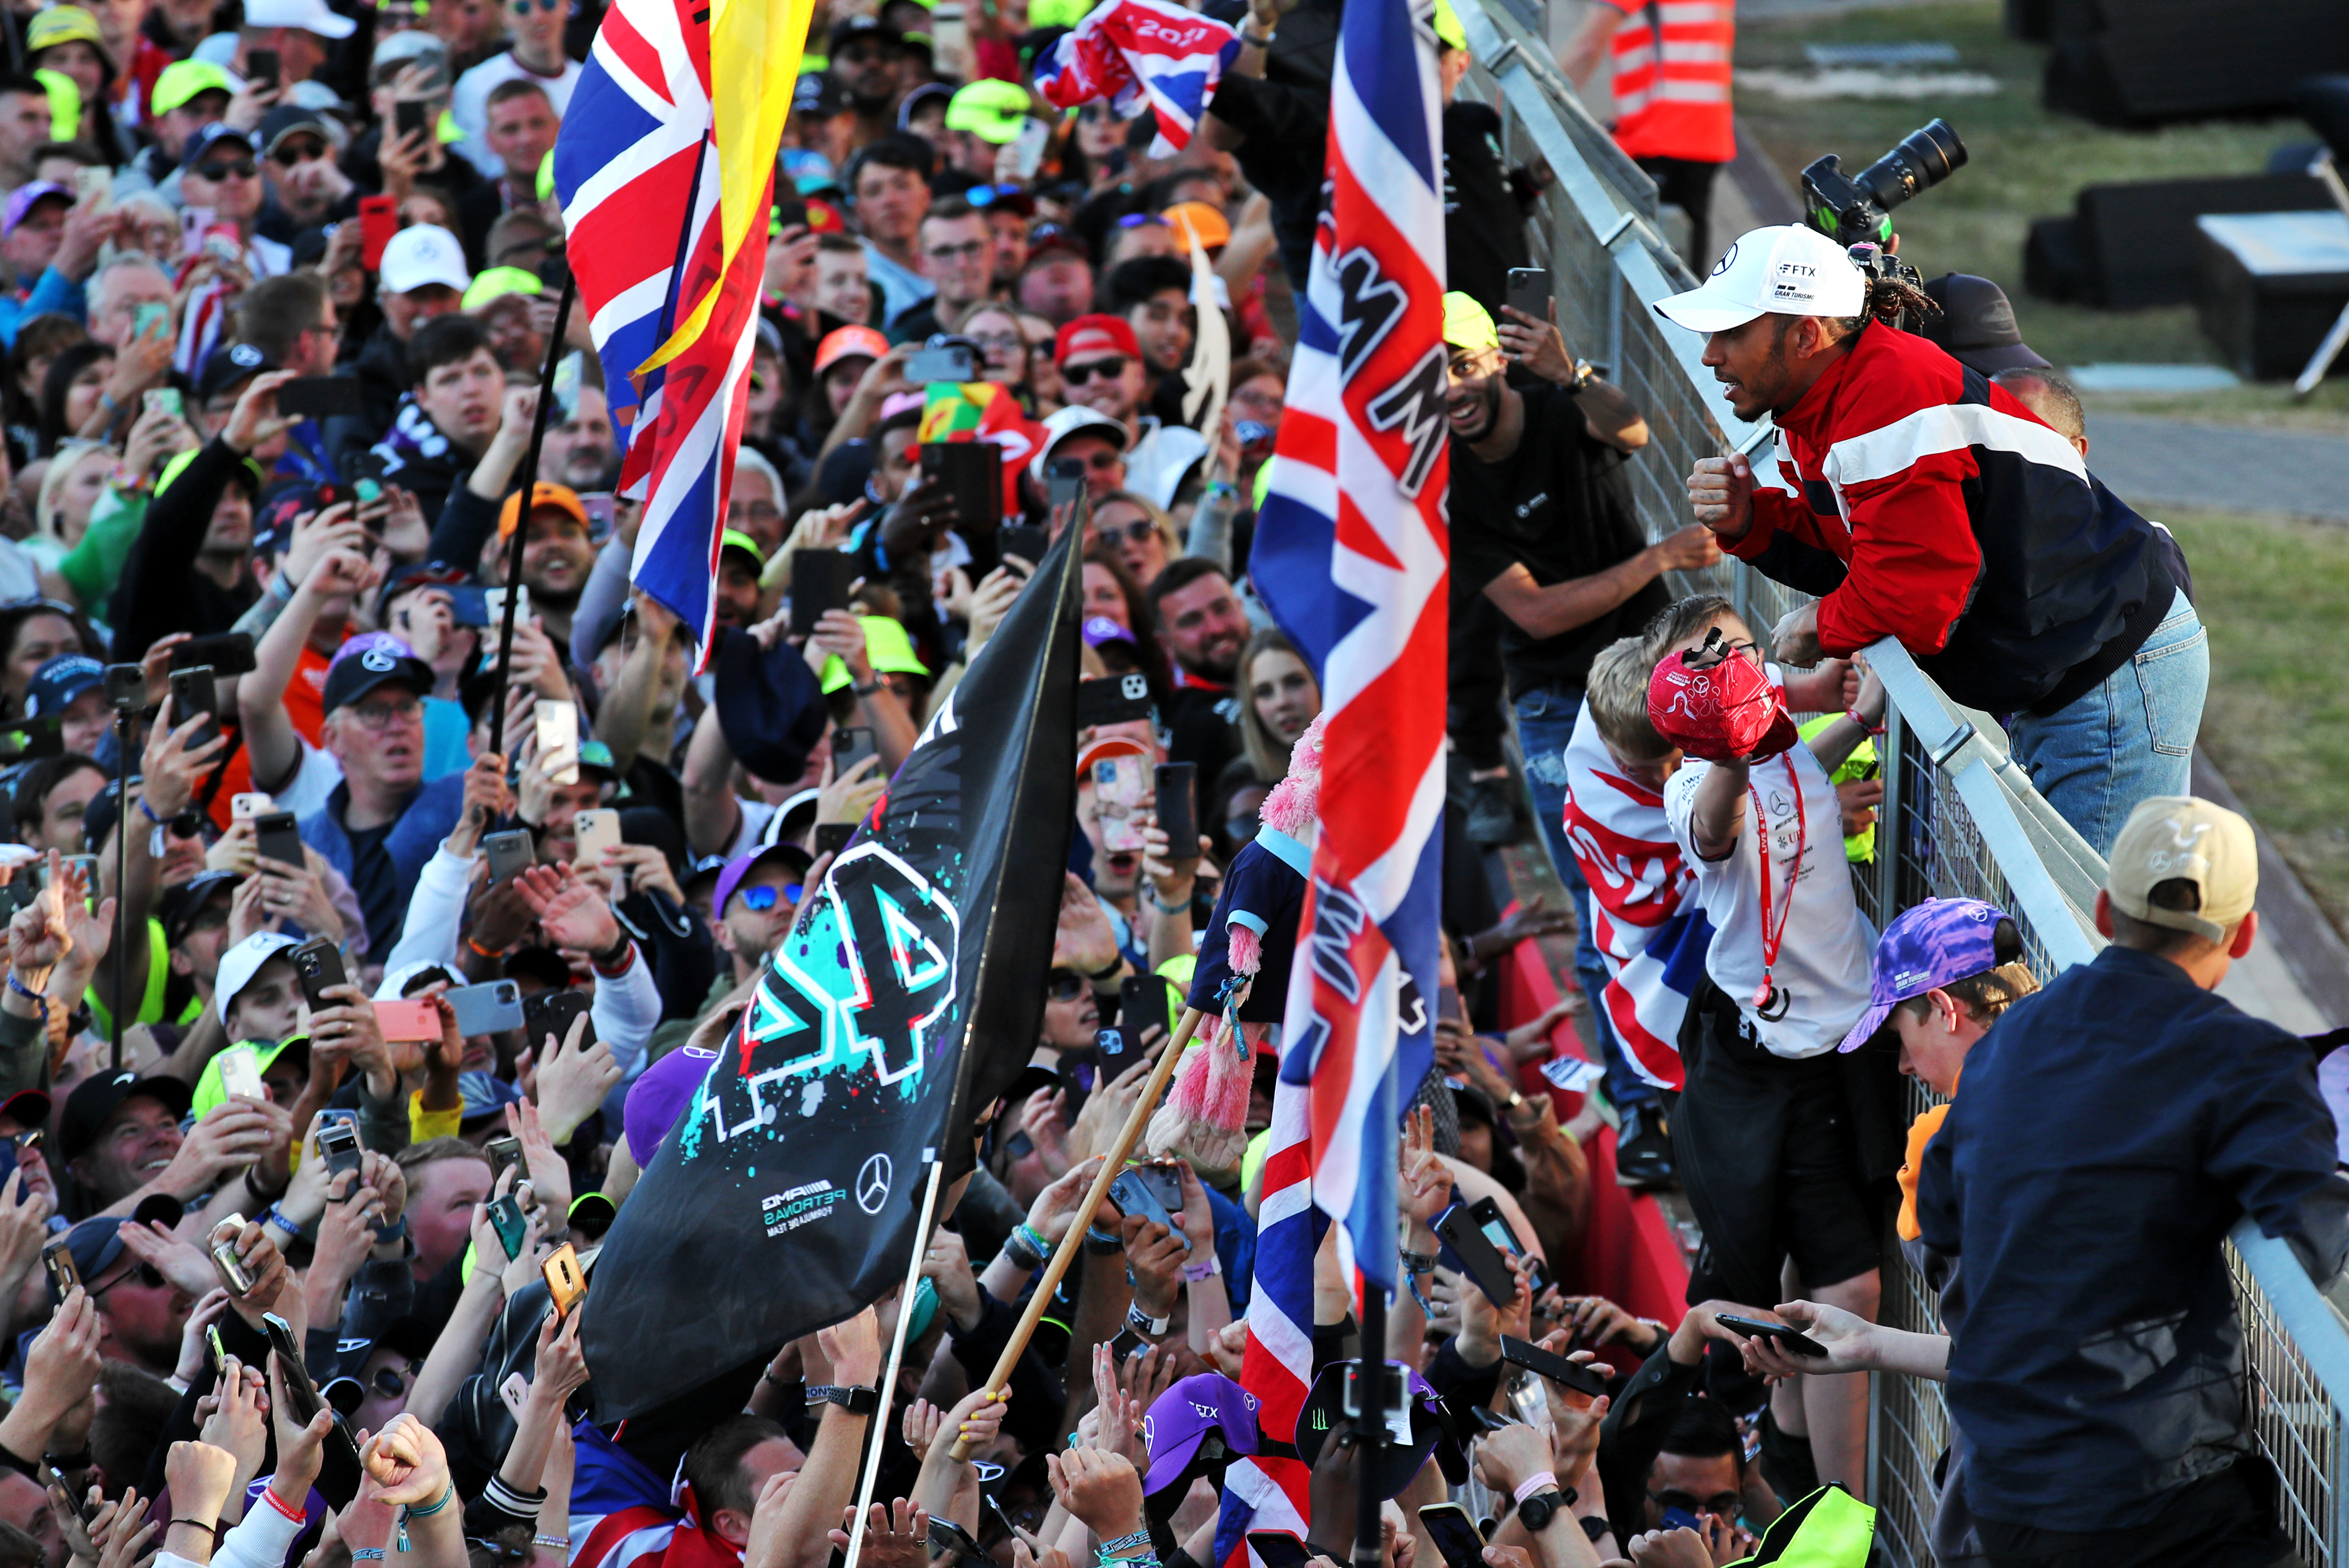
(149, 813)
(269, 1496)
(1100, 1243)
(367, 1554)
(613, 961)
(1196, 1272)
(1166, 908)
(428, 1512)
(1417, 1262)
(28, 994)
(480, 951)
(277, 1215)
(559, 1542)
(1539, 1482)
(1143, 1323)
(1851, 713)
(1114, 965)
(1125, 1542)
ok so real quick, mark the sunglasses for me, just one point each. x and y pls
(1064, 985)
(522, 7)
(1098, 461)
(1133, 533)
(762, 899)
(1142, 221)
(243, 169)
(298, 152)
(1108, 370)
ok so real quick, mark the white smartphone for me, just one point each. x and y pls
(244, 808)
(495, 599)
(1028, 147)
(595, 831)
(558, 740)
(239, 1075)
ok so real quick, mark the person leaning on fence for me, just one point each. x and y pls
(1544, 526)
(1770, 1133)
(1922, 502)
(2112, 1129)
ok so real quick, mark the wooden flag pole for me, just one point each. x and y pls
(1127, 1136)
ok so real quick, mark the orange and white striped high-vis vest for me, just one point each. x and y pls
(1672, 79)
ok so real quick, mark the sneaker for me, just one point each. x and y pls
(1643, 1151)
(1492, 817)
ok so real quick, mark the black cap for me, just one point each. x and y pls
(105, 808)
(98, 1099)
(854, 29)
(1977, 325)
(416, 575)
(203, 141)
(288, 118)
(225, 367)
(355, 675)
(180, 905)
(95, 1245)
(819, 96)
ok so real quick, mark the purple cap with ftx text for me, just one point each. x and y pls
(1195, 1429)
(1939, 940)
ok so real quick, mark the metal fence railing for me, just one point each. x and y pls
(1959, 817)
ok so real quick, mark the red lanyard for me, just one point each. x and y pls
(1774, 937)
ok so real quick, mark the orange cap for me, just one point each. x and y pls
(1198, 218)
(559, 496)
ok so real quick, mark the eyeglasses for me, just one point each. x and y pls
(762, 899)
(1133, 533)
(384, 715)
(294, 152)
(1000, 342)
(1108, 370)
(968, 248)
(145, 1273)
(1064, 985)
(1098, 461)
(242, 169)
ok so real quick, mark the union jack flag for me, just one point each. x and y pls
(1352, 556)
(1141, 53)
(637, 168)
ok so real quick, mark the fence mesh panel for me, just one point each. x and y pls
(1929, 842)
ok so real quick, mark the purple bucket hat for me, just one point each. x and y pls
(1195, 1429)
(659, 1096)
(1939, 940)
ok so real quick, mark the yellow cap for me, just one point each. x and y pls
(1448, 31)
(499, 282)
(1467, 324)
(886, 648)
(2178, 838)
(63, 25)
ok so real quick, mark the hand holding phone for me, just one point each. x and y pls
(1787, 1335)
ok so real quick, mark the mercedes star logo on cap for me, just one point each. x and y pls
(377, 659)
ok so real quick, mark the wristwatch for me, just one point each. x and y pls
(856, 1401)
(1540, 1508)
(1141, 1323)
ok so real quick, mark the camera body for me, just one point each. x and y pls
(1855, 209)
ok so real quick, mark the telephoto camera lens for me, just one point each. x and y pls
(1924, 157)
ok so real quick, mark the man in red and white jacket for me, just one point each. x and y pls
(1921, 503)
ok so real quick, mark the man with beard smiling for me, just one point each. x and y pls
(1542, 524)
(380, 824)
(1203, 627)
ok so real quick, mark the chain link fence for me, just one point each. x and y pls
(1959, 818)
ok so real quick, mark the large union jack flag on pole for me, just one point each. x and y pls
(1351, 557)
(666, 173)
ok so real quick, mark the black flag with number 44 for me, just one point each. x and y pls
(906, 998)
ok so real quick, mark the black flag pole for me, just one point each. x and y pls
(522, 508)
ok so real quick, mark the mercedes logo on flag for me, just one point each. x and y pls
(873, 1183)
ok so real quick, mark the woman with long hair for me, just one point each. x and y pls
(1279, 699)
(39, 342)
(1110, 592)
(70, 392)
(1138, 529)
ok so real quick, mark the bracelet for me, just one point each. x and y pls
(1539, 1482)
(367, 1554)
(106, 401)
(1851, 713)
(1110, 968)
(428, 1512)
(560, 1542)
(269, 1495)
(613, 954)
(149, 813)
(1255, 43)
(1125, 1542)
(199, 1524)
(480, 951)
(28, 994)
(1166, 908)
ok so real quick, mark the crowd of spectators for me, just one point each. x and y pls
(280, 284)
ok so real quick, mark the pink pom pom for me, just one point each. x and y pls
(1246, 948)
(1225, 1102)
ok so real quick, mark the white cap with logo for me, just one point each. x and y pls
(420, 255)
(1784, 271)
(310, 16)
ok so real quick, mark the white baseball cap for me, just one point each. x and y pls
(1784, 271)
(310, 16)
(423, 254)
(241, 962)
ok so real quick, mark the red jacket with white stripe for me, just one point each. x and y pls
(1924, 504)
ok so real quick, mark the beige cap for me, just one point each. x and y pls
(2175, 837)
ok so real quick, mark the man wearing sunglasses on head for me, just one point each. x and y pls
(757, 897)
(1102, 369)
(536, 55)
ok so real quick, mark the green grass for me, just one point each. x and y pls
(2277, 723)
(2025, 163)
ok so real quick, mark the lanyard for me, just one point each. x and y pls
(1774, 937)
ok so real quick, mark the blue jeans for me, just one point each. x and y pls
(1545, 718)
(2129, 739)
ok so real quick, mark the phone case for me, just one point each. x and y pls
(318, 964)
(565, 1283)
(1478, 1257)
(276, 838)
(1117, 791)
(488, 1008)
(238, 1075)
(406, 1020)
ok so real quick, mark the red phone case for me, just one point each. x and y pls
(408, 1020)
(379, 220)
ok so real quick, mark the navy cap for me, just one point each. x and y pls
(771, 708)
(373, 659)
(211, 136)
(58, 684)
(485, 1094)
(225, 367)
(95, 1099)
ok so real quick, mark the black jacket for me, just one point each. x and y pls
(2108, 1132)
(162, 592)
